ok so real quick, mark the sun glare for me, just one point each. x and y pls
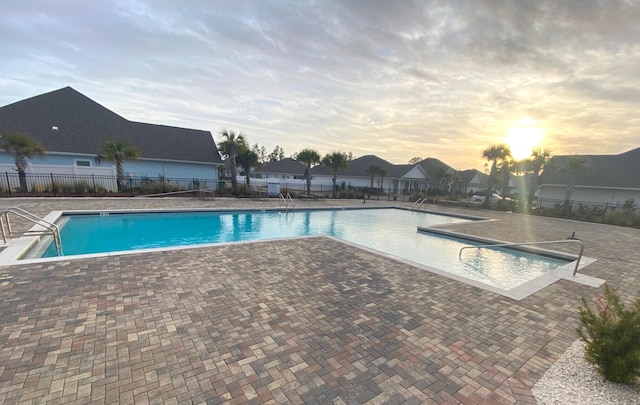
(523, 137)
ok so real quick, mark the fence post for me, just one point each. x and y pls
(8, 183)
(540, 205)
(95, 190)
(131, 186)
(604, 214)
(53, 185)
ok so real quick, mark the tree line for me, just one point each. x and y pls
(234, 146)
(236, 149)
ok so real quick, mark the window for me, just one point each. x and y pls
(85, 163)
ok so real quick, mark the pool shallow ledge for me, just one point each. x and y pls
(564, 272)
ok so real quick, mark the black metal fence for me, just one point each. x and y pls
(614, 214)
(73, 185)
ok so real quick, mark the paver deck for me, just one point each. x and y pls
(309, 320)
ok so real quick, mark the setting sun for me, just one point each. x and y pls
(523, 137)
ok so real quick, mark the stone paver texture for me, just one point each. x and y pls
(304, 321)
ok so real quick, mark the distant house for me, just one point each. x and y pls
(356, 174)
(285, 169)
(613, 179)
(72, 129)
(472, 181)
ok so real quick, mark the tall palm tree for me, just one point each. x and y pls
(335, 161)
(309, 157)
(372, 170)
(21, 147)
(248, 159)
(230, 147)
(573, 166)
(118, 152)
(497, 155)
(539, 160)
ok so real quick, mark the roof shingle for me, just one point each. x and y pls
(83, 126)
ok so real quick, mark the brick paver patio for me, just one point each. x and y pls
(310, 320)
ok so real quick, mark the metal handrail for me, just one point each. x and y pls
(285, 201)
(293, 205)
(530, 243)
(419, 202)
(28, 216)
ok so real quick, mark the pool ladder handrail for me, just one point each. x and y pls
(49, 227)
(418, 203)
(548, 242)
(285, 200)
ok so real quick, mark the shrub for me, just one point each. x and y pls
(612, 337)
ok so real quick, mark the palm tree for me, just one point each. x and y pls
(230, 147)
(21, 147)
(536, 164)
(118, 152)
(573, 166)
(497, 155)
(308, 157)
(335, 161)
(373, 170)
(508, 166)
(248, 159)
(439, 175)
(382, 172)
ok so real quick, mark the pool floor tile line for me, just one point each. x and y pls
(308, 320)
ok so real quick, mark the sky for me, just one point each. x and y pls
(397, 79)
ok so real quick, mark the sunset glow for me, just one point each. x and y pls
(523, 137)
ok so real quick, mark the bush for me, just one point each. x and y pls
(612, 336)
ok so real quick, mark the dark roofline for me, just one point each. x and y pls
(85, 125)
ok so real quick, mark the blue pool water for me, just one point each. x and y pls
(391, 231)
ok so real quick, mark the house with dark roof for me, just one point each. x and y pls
(471, 181)
(356, 174)
(72, 129)
(611, 179)
(284, 169)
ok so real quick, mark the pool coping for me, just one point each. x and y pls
(10, 256)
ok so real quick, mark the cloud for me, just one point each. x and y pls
(398, 79)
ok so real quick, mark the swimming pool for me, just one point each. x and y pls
(392, 232)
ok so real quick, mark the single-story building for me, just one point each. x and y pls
(611, 179)
(72, 129)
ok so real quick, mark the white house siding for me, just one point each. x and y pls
(590, 194)
(170, 169)
(142, 167)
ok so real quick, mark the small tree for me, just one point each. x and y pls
(612, 336)
(573, 166)
(231, 146)
(248, 159)
(118, 152)
(372, 170)
(498, 155)
(539, 160)
(21, 147)
(277, 154)
(308, 157)
(335, 161)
